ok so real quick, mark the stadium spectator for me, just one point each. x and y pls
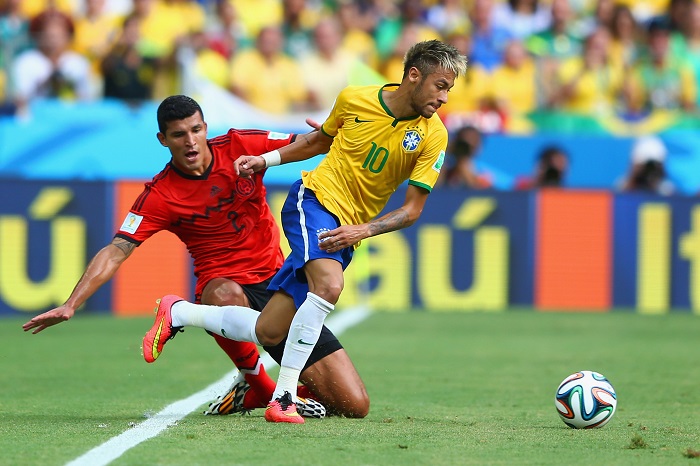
(550, 170)
(356, 37)
(687, 44)
(644, 10)
(467, 97)
(449, 17)
(95, 32)
(678, 12)
(390, 29)
(127, 74)
(589, 85)
(392, 66)
(514, 86)
(161, 27)
(460, 169)
(190, 15)
(625, 39)
(225, 33)
(521, 18)
(647, 172)
(257, 14)
(52, 69)
(14, 32)
(488, 40)
(235, 248)
(661, 80)
(33, 8)
(469, 102)
(555, 44)
(267, 78)
(326, 70)
(298, 22)
(559, 41)
(207, 63)
(600, 17)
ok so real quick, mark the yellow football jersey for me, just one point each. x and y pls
(373, 153)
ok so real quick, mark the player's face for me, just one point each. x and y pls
(430, 91)
(187, 141)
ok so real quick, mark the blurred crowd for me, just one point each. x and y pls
(599, 58)
(594, 57)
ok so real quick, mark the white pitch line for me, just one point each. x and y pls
(171, 414)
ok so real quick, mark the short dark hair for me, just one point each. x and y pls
(176, 107)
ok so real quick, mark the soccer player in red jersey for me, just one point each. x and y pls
(226, 224)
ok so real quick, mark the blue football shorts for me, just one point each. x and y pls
(303, 219)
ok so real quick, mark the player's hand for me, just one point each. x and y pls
(314, 124)
(342, 237)
(48, 319)
(246, 165)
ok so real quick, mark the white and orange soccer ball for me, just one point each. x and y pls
(586, 400)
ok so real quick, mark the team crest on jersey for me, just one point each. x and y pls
(411, 140)
(245, 186)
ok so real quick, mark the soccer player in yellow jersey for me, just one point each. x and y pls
(376, 137)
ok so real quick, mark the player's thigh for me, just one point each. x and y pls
(224, 292)
(325, 278)
(337, 383)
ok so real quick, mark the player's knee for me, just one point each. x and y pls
(225, 293)
(355, 406)
(269, 336)
(329, 291)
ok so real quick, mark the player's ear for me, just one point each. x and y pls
(414, 75)
(161, 139)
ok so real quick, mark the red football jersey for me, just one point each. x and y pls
(223, 219)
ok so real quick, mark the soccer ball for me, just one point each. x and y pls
(585, 400)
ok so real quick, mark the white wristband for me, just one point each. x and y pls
(272, 158)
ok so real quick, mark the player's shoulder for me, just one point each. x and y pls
(352, 92)
(435, 125)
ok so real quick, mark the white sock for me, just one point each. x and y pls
(232, 322)
(303, 335)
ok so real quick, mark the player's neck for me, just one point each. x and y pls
(398, 102)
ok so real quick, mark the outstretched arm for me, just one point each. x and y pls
(100, 269)
(404, 216)
(306, 146)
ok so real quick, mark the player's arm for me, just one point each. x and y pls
(98, 272)
(304, 147)
(405, 216)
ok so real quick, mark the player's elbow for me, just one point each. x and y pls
(413, 216)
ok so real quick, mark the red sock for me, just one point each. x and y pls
(305, 392)
(246, 357)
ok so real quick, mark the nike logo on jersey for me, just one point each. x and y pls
(357, 120)
(302, 342)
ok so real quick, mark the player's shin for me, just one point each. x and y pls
(233, 322)
(303, 334)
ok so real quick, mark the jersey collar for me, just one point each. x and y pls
(203, 176)
(386, 109)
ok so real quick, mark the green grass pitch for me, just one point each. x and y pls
(446, 389)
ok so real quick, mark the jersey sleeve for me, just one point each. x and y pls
(429, 162)
(143, 219)
(335, 120)
(256, 142)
